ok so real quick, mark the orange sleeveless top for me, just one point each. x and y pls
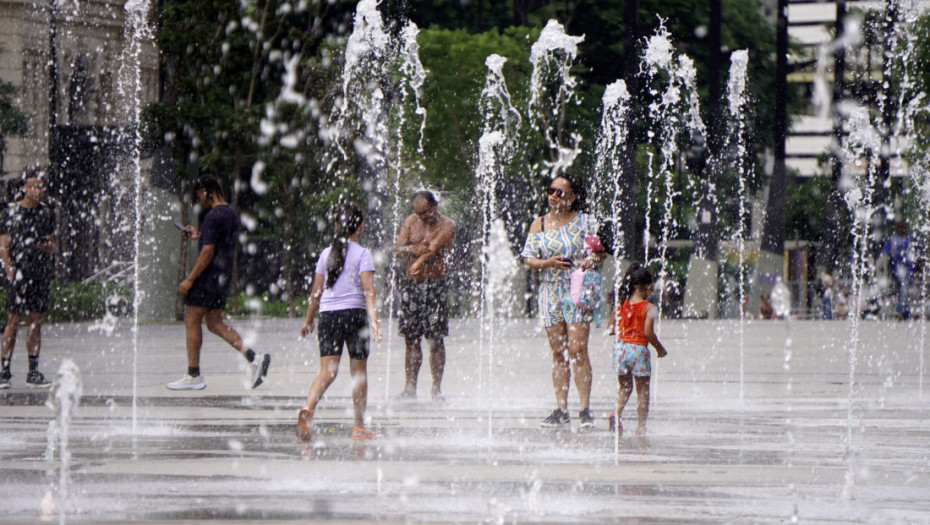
(631, 323)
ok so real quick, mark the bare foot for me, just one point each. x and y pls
(407, 395)
(304, 418)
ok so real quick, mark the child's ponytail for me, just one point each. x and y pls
(635, 277)
(625, 290)
(346, 220)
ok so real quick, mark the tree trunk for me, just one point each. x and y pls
(773, 231)
(707, 235)
(185, 248)
(625, 238)
(234, 202)
(833, 234)
(523, 8)
(288, 251)
(258, 58)
(883, 178)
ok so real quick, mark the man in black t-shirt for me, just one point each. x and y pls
(208, 284)
(27, 242)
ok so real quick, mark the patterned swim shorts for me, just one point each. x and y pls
(423, 311)
(631, 359)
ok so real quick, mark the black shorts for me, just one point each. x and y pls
(423, 310)
(344, 327)
(204, 299)
(29, 294)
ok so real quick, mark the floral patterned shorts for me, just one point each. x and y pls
(423, 310)
(631, 359)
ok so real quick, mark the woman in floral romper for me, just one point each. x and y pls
(554, 246)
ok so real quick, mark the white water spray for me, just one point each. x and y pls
(552, 56)
(675, 112)
(495, 150)
(611, 138)
(736, 142)
(130, 90)
(373, 114)
(64, 398)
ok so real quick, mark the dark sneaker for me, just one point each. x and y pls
(556, 419)
(587, 420)
(35, 379)
(5, 377)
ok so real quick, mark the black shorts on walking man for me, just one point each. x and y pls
(207, 286)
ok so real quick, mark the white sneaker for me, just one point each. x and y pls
(259, 369)
(187, 383)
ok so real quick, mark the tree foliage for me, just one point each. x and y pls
(224, 110)
(13, 121)
(600, 63)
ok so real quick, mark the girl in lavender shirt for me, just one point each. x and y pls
(343, 293)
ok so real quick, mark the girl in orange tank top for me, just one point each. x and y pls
(634, 319)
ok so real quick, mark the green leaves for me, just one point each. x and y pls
(13, 121)
(455, 62)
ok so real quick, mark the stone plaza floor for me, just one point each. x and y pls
(751, 423)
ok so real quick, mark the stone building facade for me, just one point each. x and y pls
(83, 74)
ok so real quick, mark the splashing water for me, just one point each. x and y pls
(912, 101)
(413, 76)
(131, 91)
(63, 399)
(736, 141)
(373, 113)
(490, 145)
(497, 108)
(412, 69)
(367, 47)
(781, 299)
(675, 112)
(495, 150)
(552, 56)
(863, 139)
(611, 137)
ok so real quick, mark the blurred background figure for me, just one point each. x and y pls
(898, 257)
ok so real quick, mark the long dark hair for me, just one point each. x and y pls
(636, 276)
(346, 220)
(578, 188)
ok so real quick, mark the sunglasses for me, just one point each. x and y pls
(555, 191)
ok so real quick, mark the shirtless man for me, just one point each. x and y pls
(422, 247)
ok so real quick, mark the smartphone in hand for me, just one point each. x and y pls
(183, 229)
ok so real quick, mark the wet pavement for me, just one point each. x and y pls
(763, 431)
